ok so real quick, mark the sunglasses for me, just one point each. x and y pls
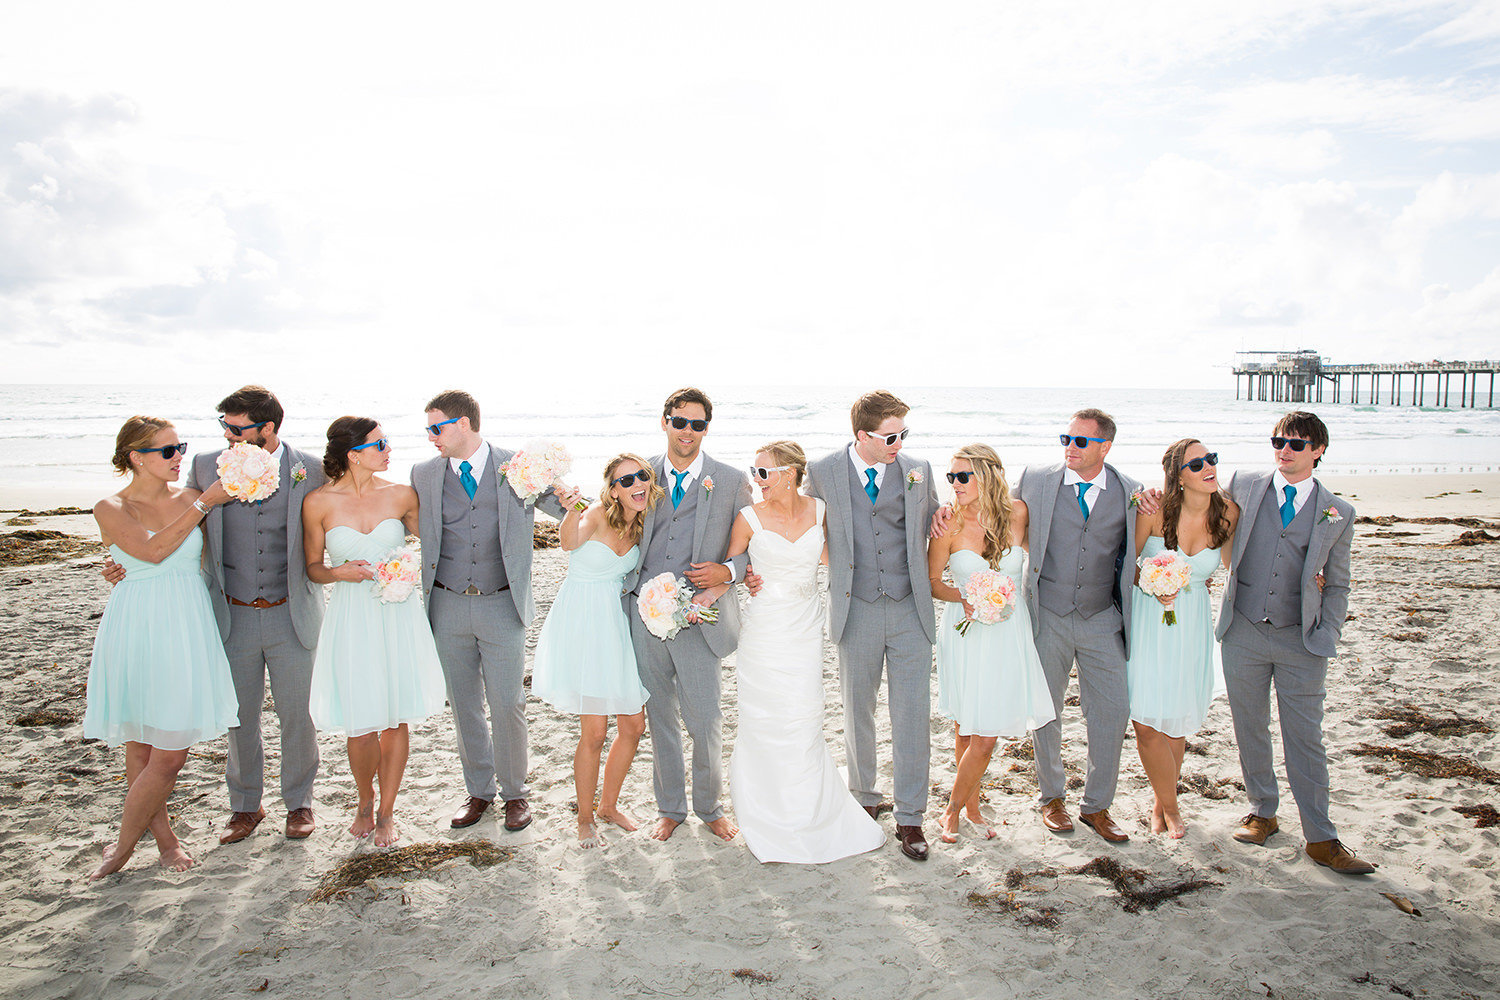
(1080, 440)
(240, 431)
(381, 445)
(1296, 444)
(168, 451)
(437, 428)
(698, 426)
(1197, 464)
(643, 476)
(961, 477)
(890, 439)
(757, 472)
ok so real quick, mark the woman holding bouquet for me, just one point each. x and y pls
(158, 681)
(1171, 672)
(585, 663)
(376, 668)
(990, 681)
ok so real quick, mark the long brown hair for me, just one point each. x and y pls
(1171, 502)
(994, 501)
(614, 510)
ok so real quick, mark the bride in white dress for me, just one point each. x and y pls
(790, 800)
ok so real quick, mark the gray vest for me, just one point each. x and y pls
(255, 543)
(1269, 574)
(879, 537)
(470, 552)
(671, 548)
(1080, 566)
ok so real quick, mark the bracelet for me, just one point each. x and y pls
(198, 506)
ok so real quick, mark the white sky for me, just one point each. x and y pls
(950, 193)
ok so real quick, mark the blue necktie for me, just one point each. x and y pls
(1082, 505)
(1288, 510)
(466, 477)
(871, 490)
(677, 491)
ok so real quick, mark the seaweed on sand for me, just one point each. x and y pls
(409, 861)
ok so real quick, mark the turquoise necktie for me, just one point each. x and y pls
(466, 478)
(1288, 509)
(677, 491)
(1082, 505)
(871, 490)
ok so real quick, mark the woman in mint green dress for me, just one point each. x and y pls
(1171, 674)
(376, 668)
(158, 681)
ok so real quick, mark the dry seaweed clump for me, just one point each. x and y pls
(1134, 885)
(1429, 765)
(1409, 719)
(41, 545)
(46, 717)
(1483, 815)
(404, 862)
(1004, 901)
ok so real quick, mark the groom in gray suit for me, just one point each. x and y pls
(1081, 545)
(476, 580)
(687, 534)
(880, 613)
(1284, 607)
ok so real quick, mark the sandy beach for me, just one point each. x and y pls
(1026, 914)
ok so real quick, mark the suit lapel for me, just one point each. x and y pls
(1249, 507)
(838, 492)
(293, 513)
(705, 501)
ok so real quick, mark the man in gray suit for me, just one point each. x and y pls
(687, 534)
(1081, 547)
(1284, 607)
(476, 580)
(880, 615)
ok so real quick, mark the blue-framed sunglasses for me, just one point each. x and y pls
(437, 428)
(643, 476)
(1197, 464)
(379, 445)
(1080, 440)
(240, 431)
(168, 451)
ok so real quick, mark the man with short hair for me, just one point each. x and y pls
(878, 504)
(1081, 539)
(1284, 609)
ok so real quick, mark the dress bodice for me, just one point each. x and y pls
(185, 559)
(1203, 563)
(788, 568)
(345, 543)
(593, 561)
(964, 563)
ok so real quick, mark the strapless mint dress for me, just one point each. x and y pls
(1171, 676)
(376, 665)
(585, 661)
(158, 674)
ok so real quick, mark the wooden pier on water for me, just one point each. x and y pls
(1304, 377)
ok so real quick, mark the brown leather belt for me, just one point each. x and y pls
(259, 602)
(471, 590)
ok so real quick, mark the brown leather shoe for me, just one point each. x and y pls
(1256, 829)
(240, 826)
(299, 824)
(874, 811)
(1105, 827)
(470, 813)
(1332, 854)
(913, 844)
(1055, 817)
(517, 815)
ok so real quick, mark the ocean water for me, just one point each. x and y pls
(60, 437)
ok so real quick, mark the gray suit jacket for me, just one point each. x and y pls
(717, 509)
(1038, 489)
(1323, 611)
(827, 479)
(304, 597)
(516, 517)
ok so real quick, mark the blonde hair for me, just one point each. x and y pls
(138, 432)
(994, 500)
(614, 510)
(788, 453)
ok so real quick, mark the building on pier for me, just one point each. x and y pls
(1304, 376)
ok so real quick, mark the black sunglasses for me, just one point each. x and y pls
(630, 478)
(1080, 440)
(168, 451)
(240, 431)
(960, 477)
(698, 426)
(890, 439)
(1197, 464)
(1296, 444)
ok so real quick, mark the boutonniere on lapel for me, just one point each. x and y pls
(913, 478)
(708, 484)
(1331, 516)
(299, 473)
(1136, 498)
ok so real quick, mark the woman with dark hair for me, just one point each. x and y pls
(1171, 672)
(376, 668)
(159, 681)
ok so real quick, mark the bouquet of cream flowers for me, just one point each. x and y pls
(665, 603)
(397, 575)
(1166, 574)
(992, 594)
(247, 472)
(536, 468)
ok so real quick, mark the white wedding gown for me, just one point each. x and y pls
(791, 802)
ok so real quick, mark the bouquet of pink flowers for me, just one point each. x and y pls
(536, 468)
(992, 594)
(397, 575)
(665, 603)
(1166, 574)
(247, 472)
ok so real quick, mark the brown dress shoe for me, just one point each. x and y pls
(517, 815)
(240, 826)
(299, 824)
(470, 813)
(1256, 829)
(874, 811)
(1105, 827)
(1055, 817)
(1332, 854)
(913, 844)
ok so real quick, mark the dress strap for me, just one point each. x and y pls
(749, 514)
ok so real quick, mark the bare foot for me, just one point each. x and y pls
(723, 828)
(981, 828)
(114, 860)
(1158, 820)
(385, 831)
(1175, 827)
(588, 836)
(948, 827)
(616, 817)
(364, 820)
(664, 827)
(176, 859)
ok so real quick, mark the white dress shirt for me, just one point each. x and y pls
(1071, 478)
(479, 462)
